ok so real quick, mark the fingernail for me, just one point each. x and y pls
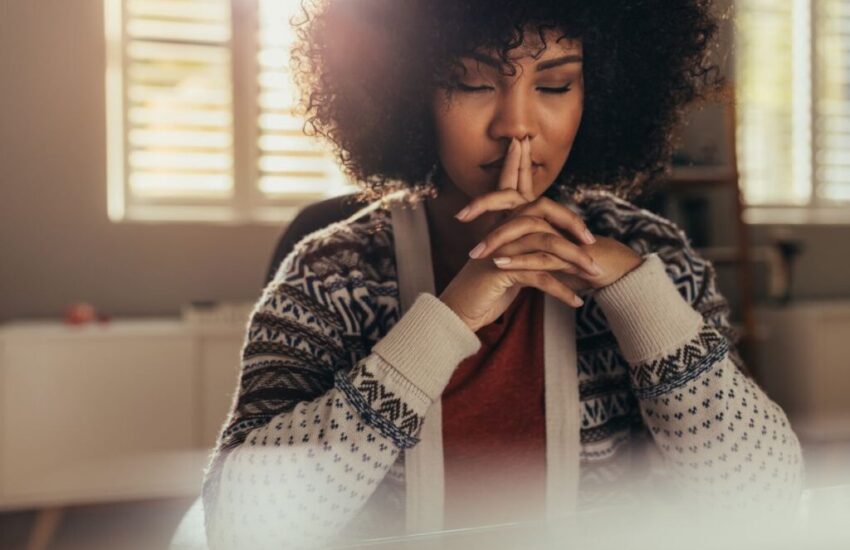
(512, 146)
(475, 252)
(578, 302)
(588, 236)
(501, 260)
(462, 214)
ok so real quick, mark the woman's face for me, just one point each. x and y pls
(542, 100)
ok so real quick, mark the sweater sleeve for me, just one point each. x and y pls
(720, 435)
(312, 432)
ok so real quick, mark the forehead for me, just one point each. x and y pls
(538, 45)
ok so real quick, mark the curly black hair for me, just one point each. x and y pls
(368, 69)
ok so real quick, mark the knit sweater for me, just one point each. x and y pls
(336, 385)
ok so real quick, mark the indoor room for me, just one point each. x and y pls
(240, 308)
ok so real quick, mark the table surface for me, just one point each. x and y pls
(819, 523)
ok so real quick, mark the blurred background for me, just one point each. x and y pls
(151, 158)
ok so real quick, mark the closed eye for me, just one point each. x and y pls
(562, 90)
(546, 90)
(464, 88)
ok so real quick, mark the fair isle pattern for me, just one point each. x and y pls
(599, 358)
(645, 233)
(304, 331)
(298, 479)
(652, 378)
(727, 438)
(380, 407)
(317, 414)
(298, 325)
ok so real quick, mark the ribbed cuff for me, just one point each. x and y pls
(427, 344)
(646, 313)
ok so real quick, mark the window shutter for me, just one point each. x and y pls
(832, 109)
(765, 71)
(793, 85)
(178, 101)
(290, 164)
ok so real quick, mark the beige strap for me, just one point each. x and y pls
(562, 408)
(423, 464)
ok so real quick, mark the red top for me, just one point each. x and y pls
(494, 432)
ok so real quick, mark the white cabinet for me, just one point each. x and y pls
(110, 412)
(805, 366)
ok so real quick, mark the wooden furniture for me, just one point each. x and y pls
(105, 413)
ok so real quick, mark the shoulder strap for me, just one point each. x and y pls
(423, 464)
(563, 408)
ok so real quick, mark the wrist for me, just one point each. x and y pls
(629, 263)
(446, 298)
(646, 312)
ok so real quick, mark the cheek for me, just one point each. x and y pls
(570, 117)
(454, 127)
(561, 131)
(457, 141)
(564, 125)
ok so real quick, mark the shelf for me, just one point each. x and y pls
(702, 175)
(720, 254)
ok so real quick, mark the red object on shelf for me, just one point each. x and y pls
(79, 313)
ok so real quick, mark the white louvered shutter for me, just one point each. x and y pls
(202, 119)
(290, 165)
(766, 124)
(832, 108)
(178, 104)
(793, 88)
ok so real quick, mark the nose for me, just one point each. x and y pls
(512, 117)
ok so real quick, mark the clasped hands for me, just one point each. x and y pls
(535, 234)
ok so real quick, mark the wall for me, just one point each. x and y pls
(56, 242)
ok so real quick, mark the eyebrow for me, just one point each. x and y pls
(542, 66)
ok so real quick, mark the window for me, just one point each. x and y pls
(793, 90)
(201, 114)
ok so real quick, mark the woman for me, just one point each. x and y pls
(399, 375)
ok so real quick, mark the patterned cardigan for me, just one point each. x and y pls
(313, 445)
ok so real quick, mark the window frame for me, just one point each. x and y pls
(248, 205)
(816, 210)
